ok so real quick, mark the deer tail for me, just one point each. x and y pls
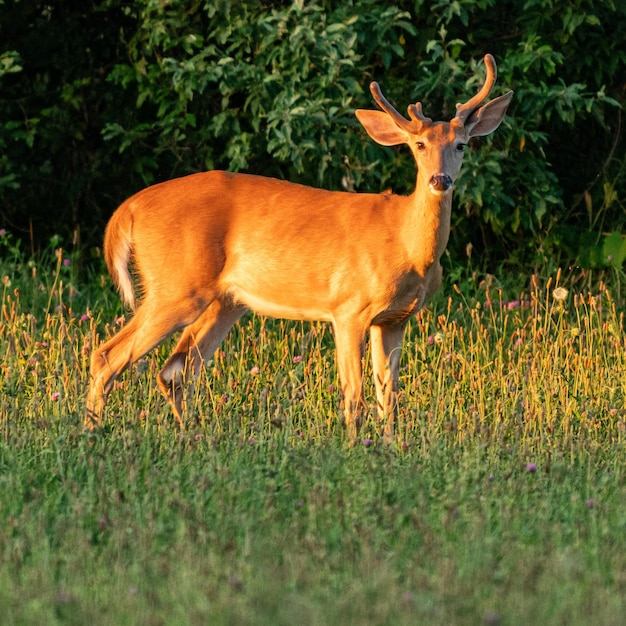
(118, 249)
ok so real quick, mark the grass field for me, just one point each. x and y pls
(502, 500)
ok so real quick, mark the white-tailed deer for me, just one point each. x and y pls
(209, 246)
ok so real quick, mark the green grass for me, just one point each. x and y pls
(502, 500)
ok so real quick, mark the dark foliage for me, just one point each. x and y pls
(99, 99)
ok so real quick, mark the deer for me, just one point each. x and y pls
(207, 247)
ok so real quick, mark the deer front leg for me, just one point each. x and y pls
(385, 348)
(349, 344)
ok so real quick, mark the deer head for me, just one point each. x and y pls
(437, 146)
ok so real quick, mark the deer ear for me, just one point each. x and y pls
(488, 117)
(381, 128)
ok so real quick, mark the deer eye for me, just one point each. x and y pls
(460, 147)
(421, 145)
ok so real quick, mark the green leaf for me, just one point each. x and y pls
(614, 249)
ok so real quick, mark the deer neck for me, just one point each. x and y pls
(429, 226)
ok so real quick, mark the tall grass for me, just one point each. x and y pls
(500, 502)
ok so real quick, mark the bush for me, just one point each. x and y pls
(125, 96)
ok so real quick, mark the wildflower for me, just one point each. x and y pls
(254, 370)
(492, 617)
(67, 262)
(531, 468)
(251, 440)
(3, 232)
(368, 442)
(119, 320)
(84, 317)
(297, 359)
(560, 293)
(224, 399)
(590, 503)
(55, 396)
(515, 304)
(407, 597)
(64, 597)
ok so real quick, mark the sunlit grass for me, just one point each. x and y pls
(501, 500)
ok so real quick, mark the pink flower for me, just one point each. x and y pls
(67, 262)
(531, 468)
(254, 370)
(55, 396)
(84, 317)
(297, 359)
(368, 442)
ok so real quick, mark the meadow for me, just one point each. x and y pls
(502, 499)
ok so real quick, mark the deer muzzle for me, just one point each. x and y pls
(440, 183)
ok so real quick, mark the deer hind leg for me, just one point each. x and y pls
(349, 341)
(385, 348)
(197, 343)
(152, 323)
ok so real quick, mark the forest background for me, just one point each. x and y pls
(100, 99)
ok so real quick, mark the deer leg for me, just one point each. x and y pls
(349, 345)
(385, 348)
(152, 323)
(198, 342)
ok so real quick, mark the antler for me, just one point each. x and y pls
(418, 119)
(463, 111)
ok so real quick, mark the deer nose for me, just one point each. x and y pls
(441, 182)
